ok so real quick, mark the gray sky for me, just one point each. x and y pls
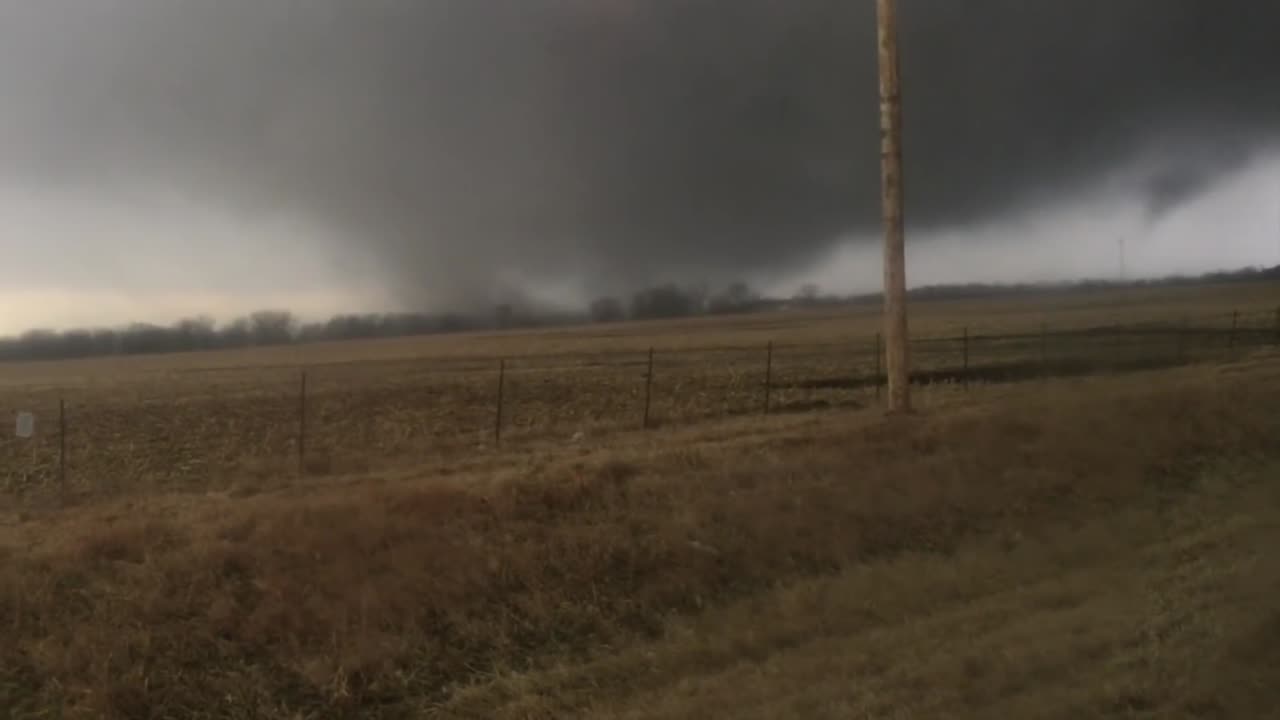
(167, 157)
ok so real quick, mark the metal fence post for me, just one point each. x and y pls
(62, 446)
(497, 418)
(648, 391)
(1182, 341)
(302, 425)
(1044, 349)
(768, 377)
(879, 360)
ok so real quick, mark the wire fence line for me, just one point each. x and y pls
(283, 422)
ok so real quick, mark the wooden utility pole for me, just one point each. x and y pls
(895, 271)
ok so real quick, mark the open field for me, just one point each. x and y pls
(1064, 547)
(234, 420)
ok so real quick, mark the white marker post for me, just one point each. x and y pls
(25, 425)
(25, 428)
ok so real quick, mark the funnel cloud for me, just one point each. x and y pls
(444, 149)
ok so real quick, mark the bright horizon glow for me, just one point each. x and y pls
(1234, 225)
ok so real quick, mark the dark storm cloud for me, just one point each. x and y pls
(623, 141)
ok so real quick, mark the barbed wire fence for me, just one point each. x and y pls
(279, 424)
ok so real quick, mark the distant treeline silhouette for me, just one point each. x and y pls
(667, 301)
(980, 290)
(268, 327)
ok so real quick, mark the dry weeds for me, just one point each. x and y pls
(416, 594)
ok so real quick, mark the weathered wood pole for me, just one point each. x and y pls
(895, 273)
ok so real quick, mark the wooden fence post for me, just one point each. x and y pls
(648, 391)
(497, 417)
(964, 378)
(1277, 339)
(302, 425)
(1235, 325)
(768, 377)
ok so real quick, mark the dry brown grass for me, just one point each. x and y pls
(1144, 612)
(456, 591)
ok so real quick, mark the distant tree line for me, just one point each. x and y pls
(666, 301)
(268, 327)
(974, 291)
(674, 301)
(278, 327)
